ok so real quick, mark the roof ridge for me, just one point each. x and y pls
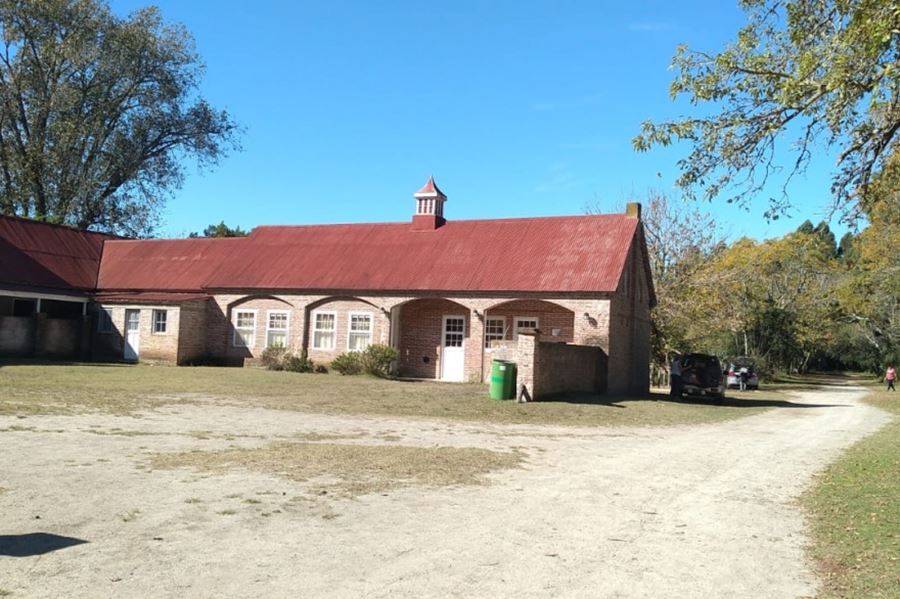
(463, 220)
(57, 225)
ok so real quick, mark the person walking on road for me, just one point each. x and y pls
(675, 378)
(890, 376)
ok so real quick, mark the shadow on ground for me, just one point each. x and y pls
(35, 543)
(730, 402)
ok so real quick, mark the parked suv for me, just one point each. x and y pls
(701, 375)
(734, 373)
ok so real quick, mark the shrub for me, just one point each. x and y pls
(347, 363)
(377, 359)
(299, 363)
(273, 358)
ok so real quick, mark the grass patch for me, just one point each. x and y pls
(123, 389)
(351, 470)
(855, 514)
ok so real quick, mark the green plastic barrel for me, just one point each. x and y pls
(503, 379)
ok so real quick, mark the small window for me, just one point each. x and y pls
(277, 328)
(360, 334)
(324, 326)
(526, 324)
(244, 328)
(104, 321)
(160, 322)
(494, 330)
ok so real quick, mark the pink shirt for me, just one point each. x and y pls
(891, 374)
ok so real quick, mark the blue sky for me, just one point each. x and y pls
(518, 108)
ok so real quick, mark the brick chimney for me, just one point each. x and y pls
(429, 207)
(633, 210)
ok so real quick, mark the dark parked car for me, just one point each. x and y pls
(702, 375)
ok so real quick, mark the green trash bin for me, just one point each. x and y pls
(503, 379)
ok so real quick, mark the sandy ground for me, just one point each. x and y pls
(695, 511)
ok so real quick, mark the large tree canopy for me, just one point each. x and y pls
(824, 71)
(97, 112)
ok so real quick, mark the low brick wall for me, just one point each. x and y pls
(59, 338)
(551, 368)
(569, 368)
(41, 337)
(17, 335)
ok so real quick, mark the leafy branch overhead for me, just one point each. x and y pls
(96, 113)
(816, 71)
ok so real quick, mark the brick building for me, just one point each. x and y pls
(447, 294)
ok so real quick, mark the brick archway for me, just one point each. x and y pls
(419, 339)
(555, 322)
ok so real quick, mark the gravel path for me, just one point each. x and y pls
(679, 512)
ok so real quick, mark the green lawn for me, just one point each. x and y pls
(27, 389)
(855, 509)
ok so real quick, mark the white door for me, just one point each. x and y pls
(452, 350)
(132, 334)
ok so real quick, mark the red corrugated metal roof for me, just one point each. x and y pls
(36, 254)
(166, 264)
(555, 254)
(149, 297)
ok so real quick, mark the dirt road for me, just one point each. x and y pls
(679, 512)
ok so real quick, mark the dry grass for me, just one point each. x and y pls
(29, 389)
(350, 470)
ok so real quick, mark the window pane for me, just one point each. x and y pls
(243, 338)
(359, 341)
(160, 318)
(246, 320)
(278, 320)
(323, 340)
(360, 322)
(276, 339)
(493, 330)
(324, 322)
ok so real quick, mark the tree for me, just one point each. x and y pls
(870, 292)
(97, 112)
(680, 241)
(220, 230)
(824, 71)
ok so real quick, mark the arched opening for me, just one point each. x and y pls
(432, 336)
(504, 321)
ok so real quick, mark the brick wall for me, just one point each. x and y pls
(161, 347)
(17, 335)
(548, 369)
(191, 331)
(421, 324)
(629, 330)
(551, 317)
(260, 306)
(343, 309)
(583, 320)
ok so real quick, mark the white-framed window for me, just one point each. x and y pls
(494, 330)
(525, 324)
(359, 333)
(160, 322)
(104, 321)
(244, 328)
(277, 324)
(324, 328)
